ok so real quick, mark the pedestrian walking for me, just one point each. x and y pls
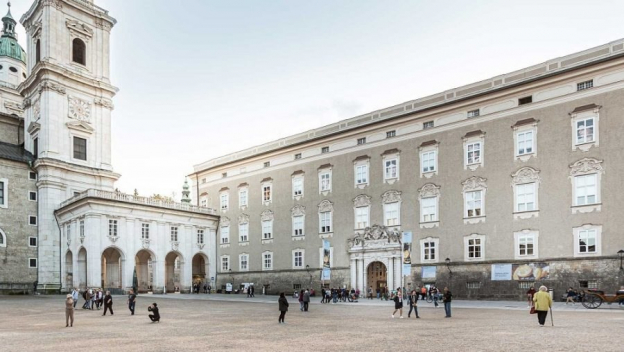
(100, 299)
(370, 292)
(253, 291)
(530, 293)
(69, 310)
(300, 299)
(423, 292)
(378, 293)
(433, 293)
(283, 308)
(131, 301)
(446, 299)
(398, 303)
(155, 316)
(306, 300)
(75, 294)
(87, 298)
(543, 303)
(413, 303)
(108, 303)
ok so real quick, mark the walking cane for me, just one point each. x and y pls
(551, 318)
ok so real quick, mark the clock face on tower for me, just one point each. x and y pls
(79, 109)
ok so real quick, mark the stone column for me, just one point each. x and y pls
(92, 242)
(126, 234)
(362, 274)
(354, 280)
(187, 267)
(390, 273)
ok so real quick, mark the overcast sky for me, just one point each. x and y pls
(200, 79)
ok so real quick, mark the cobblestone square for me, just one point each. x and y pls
(235, 323)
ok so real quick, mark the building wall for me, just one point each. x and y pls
(15, 273)
(553, 162)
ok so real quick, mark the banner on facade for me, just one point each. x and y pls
(428, 272)
(326, 270)
(407, 253)
(531, 271)
(501, 272)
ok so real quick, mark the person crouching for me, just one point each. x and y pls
(155, 316)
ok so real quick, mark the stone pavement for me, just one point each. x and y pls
(235, 323)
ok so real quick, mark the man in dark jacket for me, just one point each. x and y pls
(283, 307)
(155, 316)
(306, 300)
(447, 302)
(108, 303)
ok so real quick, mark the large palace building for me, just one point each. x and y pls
(506, 183)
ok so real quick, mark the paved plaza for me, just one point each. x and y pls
(235, 323)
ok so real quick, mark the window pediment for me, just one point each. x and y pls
(80, 126)
(243, 219)
(297, 210)
(525, 175)
(267, 215)
(474, 183)
(586, 166)
(391, 196)
(225, 221)
(325, 206)
(429, 190)
(362, 201)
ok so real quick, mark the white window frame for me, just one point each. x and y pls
(296, 227)
(240, 262)
(474, 184)
(582, 184)
(225, 234)
(267, 229)
(389, 156)
(36, 263)
(361, 168)
(326, 219)
(294, 258)
(521, 190)
(471, 141)
(521, 178)
(474, 196)
(321, 174)
(266, 267)
(581, 170)
(523, 237)
(241, 233)
(467, 245)
(360, 225)
(386, 209)
(3, 236)
(423, 207)
(298, 186)
(33, 217)
(521, 138)
(428, 191)
(585, 115)
(224, 201)
(431, 161)
(5, 191)
(387, 169)
(32, 192)
(145, 231)
(173, 232)
(578, 233)
(268, 185)
(225, 263)
(36, 241)
(201, 239)
(243, 197)
(436, 250)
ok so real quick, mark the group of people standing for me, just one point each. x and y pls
(197, 287)
(412, 300)
(333, 295)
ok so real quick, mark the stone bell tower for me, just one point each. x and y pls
(68, 106)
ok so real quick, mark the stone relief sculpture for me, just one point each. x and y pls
(375, 233)
(79, 109)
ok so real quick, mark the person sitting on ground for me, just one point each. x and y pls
(155, 316)
(571, 296)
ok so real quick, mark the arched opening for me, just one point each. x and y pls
(377, 275)
(79, 51)
(69, 272)
(200, 269)
(112, 261)
(82, 268)
(173, 271)
(144, 270)
(38, 51)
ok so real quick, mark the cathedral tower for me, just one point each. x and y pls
(68, 105)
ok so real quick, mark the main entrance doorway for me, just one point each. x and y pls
(112, 269)
(377, 275)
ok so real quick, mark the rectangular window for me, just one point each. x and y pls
(585, 85)
(32, 220)
(525, 143)
(474, 113)
(3, 193)
(474, 248)
(298, 226)
(361, 141)
(31, 196)
(526, 245)
(174, 234)
(267, 163)
(80, 148)
(392, 214)
(473, 153)
(297, 186)
(326, 222)
(242, 197)
(267, 263)
(361, 217)
(225, 235)
(325, 150)
(474, 204)
(586, 190)
(32, 262)
(112, 228)
(36, 148)
(297, 156)
(585, 130)
(361, 174)
(429, 250)
(298, 259)
(587, 241)
(427, 125)
(82, 228)
(225, 263)
(390, 134)
(428, 209)
(325, 179)
(145, 231)
(428, 161)
(244, 262)
(200, 236)
(525, 100)
(391, 169)
(266, 193)
(525, 197)
(225, 201)
(32, 175)
(267, 230)
(297, 287)
(32, 241)
(243, 232)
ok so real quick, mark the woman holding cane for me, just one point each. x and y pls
(543, 303)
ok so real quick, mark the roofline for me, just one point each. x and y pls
(419, 110)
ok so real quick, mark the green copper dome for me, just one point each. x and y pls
(8, 42)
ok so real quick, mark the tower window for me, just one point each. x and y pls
(12, 69)
(79, 51)
(80, 148)
(38, 51)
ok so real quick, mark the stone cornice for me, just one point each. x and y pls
(59, 164)
(83, 5)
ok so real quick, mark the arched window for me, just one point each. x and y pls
(79, 52)
(38, 51)
(2, 239)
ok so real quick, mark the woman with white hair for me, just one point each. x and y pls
(543, 303)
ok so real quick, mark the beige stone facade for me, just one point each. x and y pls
(521, 169)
